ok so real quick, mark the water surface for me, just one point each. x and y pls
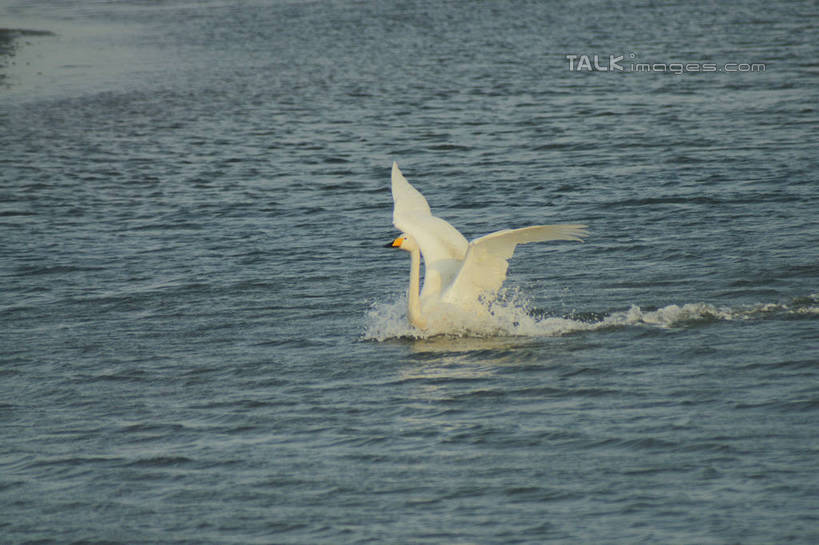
(203, 340)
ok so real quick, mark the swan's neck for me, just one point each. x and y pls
(414, 296)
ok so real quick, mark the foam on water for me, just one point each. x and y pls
(512, 315)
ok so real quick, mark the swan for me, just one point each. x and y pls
(459, 276)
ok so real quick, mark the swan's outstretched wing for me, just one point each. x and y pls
(484, 268)
(442, 246)
(408, 200)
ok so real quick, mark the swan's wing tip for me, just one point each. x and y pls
(407, 199)
(578, 232)
(574, 232)
(396, 175)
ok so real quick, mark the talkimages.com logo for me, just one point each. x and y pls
(618, 63)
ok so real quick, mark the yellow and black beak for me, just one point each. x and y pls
(395, 243)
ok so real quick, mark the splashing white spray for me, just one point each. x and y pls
(511, 315)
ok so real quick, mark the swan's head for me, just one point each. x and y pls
(404, 242)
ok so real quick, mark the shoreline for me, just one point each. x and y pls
(10, 43)
(9, 38)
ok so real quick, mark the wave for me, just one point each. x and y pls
(512, 316)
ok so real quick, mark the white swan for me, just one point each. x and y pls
(457, 274)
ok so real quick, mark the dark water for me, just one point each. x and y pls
(203, 340)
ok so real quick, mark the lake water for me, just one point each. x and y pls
(203, 340)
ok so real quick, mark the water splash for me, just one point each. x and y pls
(512, 315)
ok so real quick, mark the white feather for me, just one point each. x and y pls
(458, 272)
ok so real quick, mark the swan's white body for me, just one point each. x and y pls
(457, 273)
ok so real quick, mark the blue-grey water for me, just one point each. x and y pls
(203, 340)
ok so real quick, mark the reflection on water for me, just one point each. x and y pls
(446, 343)
(443, 358)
